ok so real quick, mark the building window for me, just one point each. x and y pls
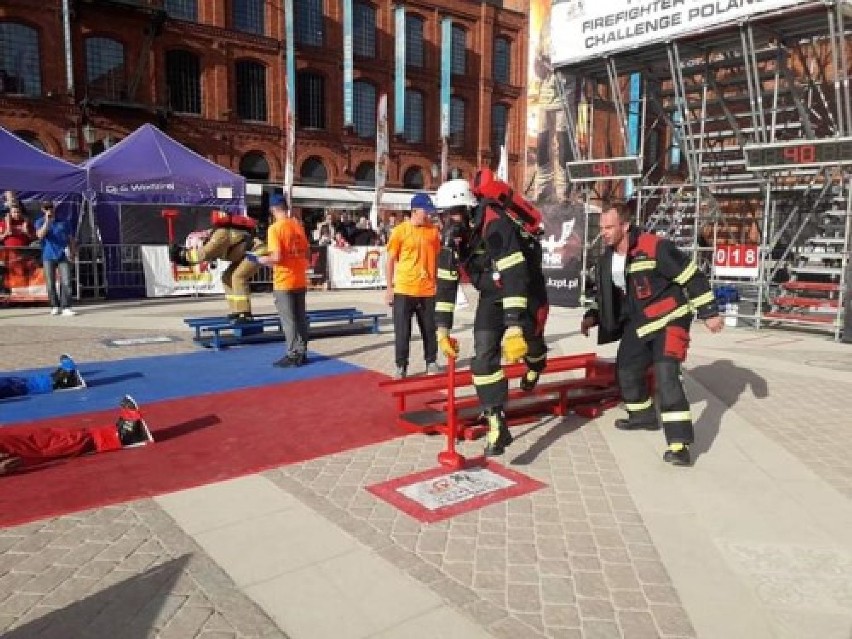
(20, 68)
(457, 107)
(310, 100)
(502, 60)
(413, 116)
(458, 59)
(414, 41)
(365, 109)
(309, 23)
(248, 16)
(253, 166)
(364, 30)
(183, 75)
(182, 9)
(251, 91)
(499, 126)
(31, 138)
(313, 171)
(413, 178)
(365, 174)
(105, 76)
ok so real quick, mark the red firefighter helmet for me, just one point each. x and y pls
(223, 219)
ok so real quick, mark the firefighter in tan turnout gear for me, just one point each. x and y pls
(231, 238)
(491, 235)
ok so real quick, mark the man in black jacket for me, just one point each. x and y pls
(646, 294)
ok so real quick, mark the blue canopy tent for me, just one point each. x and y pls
(130, 184)
(35, 174)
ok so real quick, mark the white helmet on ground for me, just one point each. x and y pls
(454, 193)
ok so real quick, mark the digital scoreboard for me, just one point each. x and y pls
(798, 154)
(611, 169)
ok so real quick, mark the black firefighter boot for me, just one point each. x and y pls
(639, 420)
(132, 429)
(529, 380)
(498, 437)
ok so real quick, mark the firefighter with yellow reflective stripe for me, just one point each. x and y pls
(231, 238)
(647, 292)
(503, 262)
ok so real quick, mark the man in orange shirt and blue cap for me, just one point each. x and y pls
(412, 267)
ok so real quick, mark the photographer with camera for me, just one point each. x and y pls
(58, 248)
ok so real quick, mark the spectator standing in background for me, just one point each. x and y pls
(58, 248)
(289, 257)
(15, 228)
(412, 268)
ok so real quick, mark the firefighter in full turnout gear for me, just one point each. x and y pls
(491, 235)
(231, 238)
(646, 294)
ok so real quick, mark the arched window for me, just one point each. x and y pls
(365, 109)
(502, 61)
(364, 30)
(248, 16)
(30, 138)
(457, 121)
(183, 76)
(313, 171)
(310, 100)
(182, 9)
(365, 174)
(251, 91)
(20, 67)
(413, 116)
(413, 41)
(499, 126)
(253, 166)
(413, 178)
(105, 72)
(458, 57)
(309, 23)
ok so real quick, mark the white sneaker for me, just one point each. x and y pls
(54, 311)
(67, 312)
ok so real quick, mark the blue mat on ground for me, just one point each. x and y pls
(163, 377)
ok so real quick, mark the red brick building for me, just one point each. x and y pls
(211, 74)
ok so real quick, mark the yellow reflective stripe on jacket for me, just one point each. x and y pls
(701, 300)
(687, 273)
(447, 274)
(634, 408)
(510, 260)
(514, 302)
(237, 298)
(651, 327)
(445, 307)
(484, 380)
(644, 265)
(677, 416)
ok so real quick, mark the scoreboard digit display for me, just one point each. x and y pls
(798, 154)
(611, 169)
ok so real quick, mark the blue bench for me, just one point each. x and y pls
(218, 332)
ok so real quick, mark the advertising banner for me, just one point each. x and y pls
(382, 159)
(348, 74)
(584, 29)
(162, 280)
(446, 76)
(357, 267)
(399, 72)
(562, 258)
(21, 275)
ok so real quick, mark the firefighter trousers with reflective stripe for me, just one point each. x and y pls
(664, 350)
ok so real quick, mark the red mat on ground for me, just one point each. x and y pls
(206, 439)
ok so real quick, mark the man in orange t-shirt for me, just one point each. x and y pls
(289, 258)
(413, 249)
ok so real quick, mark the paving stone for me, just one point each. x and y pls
(672, 620)
(590, 584)
(637, 625)
(595, 609)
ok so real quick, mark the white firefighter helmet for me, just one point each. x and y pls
(454, 193)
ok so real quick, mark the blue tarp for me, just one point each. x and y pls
(149, 167)
(26, 169)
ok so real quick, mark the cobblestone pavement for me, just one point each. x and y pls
(571, 560)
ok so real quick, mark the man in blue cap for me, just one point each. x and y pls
(411, 272)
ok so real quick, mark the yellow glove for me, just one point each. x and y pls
(514, 344)
(449, 345)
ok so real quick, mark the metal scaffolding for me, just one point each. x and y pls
(745, 149)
